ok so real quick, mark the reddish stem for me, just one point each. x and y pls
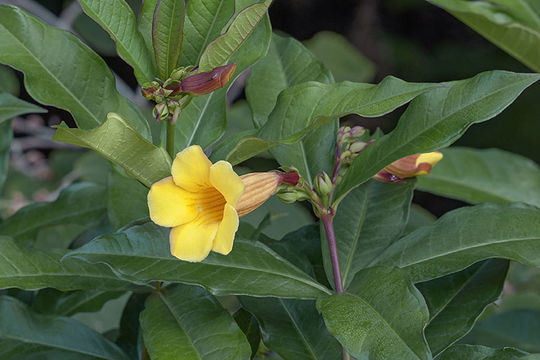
(327, 220)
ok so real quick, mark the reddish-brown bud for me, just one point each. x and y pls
(410, 166)
(206, 82)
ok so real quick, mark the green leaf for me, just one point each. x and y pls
(141, 254)
(287, 63)
(220, 50)
(127, 200)
(295, 115)
(167, 34)
(32, 269)
(457, 300)
(465, 236)
(366, 223)
(20, 325)
(81, 204)
(9, 81)
(438, 118)
(144, 23)
(10, 106)
(130, 335)
(517, 328)
(117, 18)
(250, 327)
(382, 317)
(418, 217)
(118, 141)
(478, 176)
(54, 302)
(472, 352)
(205, 119)
(340, 56)
(293, 328)
(204, 21)
(86, 89)
(513, 25)
(187, 320)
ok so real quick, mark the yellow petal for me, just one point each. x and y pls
(223, 243)
(226, 181)
(431, 158)
(169, 204)
(191, 169)
(192, 241)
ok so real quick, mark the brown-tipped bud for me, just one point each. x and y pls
(206, 82)
(259, 186)
(410, 166)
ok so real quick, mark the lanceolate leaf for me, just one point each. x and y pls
(167, 33)
(50, 301)
(220, 50)
(514, 26)
(438, 118)
(287, 63)
(80, 204)
(20, 325)
(86, 88)
(382, 316)
(127, 200)
(366, 223)
(294, 116)
(465, 236)
(144, 23)
(475, 352)
(293, 328)
(478, 176)
(457, 300)
(118, 141)
(117, 18)
(32, 269)
(204, 21)
(187, 320)
(141, 254)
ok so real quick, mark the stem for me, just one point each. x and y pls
(327, 219)
(170, 139)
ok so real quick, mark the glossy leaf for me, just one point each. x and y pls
(118, 141)
(294, 116)
(287, 63)
(205, 119)
(514, 26)
(478, 176)
(81, 204)
(167, 34)
(10, 106)
(293, 328)
(117, 18)
(438, 118)
(342, 57)
(20, 325)
(516, 328)
(126, 201)
(187, 320)
(87, 97)
(472, 352)
(381, 317)
(31, 269)
(465, 236)
(204, 21)
(141, 254)
(457, 300)
(370, 219)
(220, 50)
(250, 327)
(54, 302)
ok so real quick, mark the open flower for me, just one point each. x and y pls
(410, 166)
(201, 201)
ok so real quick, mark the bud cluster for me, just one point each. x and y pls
(350, 143)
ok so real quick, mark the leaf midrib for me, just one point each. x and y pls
(298, 330)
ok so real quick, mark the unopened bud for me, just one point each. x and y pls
(206, 82)
(161, 111)
(410, 166)
(323, 184)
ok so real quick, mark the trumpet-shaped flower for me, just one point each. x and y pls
(202, 201)
(410, 166)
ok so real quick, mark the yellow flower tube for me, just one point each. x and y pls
(410, 166)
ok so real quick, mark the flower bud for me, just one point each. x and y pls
(323, 184)
(259, 186)
(161, 111)
(410, 166)
(206, 82)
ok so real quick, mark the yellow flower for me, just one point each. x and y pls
(199, 202)
(410, 166)
(202, 202)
